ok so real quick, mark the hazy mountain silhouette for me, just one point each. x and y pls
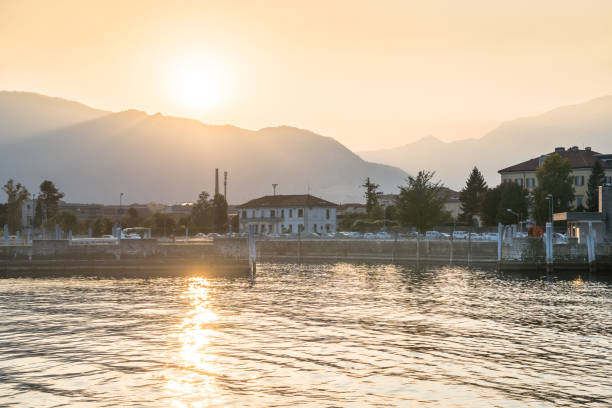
(94, 155)
(587, 124)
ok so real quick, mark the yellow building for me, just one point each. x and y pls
(582, 162)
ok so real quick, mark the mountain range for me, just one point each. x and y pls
(586, 124)
(92, 155)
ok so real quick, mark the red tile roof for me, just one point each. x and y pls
(297, 200)
(577, 158)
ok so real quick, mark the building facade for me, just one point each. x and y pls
(288, 214)
(582, 161)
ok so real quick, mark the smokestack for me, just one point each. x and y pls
(216, 181)
(225, 185)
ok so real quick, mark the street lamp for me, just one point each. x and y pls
(549, 197)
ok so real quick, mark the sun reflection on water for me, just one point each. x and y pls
(194, 385)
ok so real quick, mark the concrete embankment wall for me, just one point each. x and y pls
(375, 250)
(132, 258)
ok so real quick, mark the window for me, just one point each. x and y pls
(579, 180)
(272, 213)
(327, 214)
(328, 227)
(519, 181)
(608, 179)
(530, 182)
(314, 227)
(290, 213)
(300, 212)
(282, 213)
(579, 201)
(244, 214)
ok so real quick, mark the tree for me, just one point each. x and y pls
(219, 206)
(371, 196)
(420, 202)
(348, 219)
(102, 226)
(161, 224)
(554, 178)
(131, 219)
(16, 195)
(202, 214)
(471, 195)
(390, 213)
(489, 207)
(3, 214)
(596, 179)
(67, 220)
(512, 197)
(49, 198)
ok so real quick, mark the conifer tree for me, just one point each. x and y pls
(371, 195)
(472, 195)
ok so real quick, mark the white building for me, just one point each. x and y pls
(288, 214)
(28, 209)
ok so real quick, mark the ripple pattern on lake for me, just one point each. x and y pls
(307, 335)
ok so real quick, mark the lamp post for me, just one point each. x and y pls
(518, 217)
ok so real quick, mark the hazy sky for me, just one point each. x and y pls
(372, 74)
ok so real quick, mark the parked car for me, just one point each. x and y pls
(200, 235)
(444, 235)
(354, 234)
(491, 236)
(369, 235)
(432, 235)
(475, 236)
(384, 235)
(460, 235)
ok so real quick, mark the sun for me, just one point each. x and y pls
(198, 87)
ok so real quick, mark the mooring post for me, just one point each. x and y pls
(549, 248)
(500, 232)
(5, 234)
(186, 234)
(591, 248)
(70, 237)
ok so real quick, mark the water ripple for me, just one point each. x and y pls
(307, 335)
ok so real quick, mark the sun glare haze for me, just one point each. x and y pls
(322, 203)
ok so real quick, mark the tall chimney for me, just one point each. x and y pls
(216, 181)
(225, 185)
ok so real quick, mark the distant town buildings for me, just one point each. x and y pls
(288, 214)
(582, 161)
(452, 202)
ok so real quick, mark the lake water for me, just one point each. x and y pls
(307, 335)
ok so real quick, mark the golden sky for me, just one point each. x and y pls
(371, 74)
